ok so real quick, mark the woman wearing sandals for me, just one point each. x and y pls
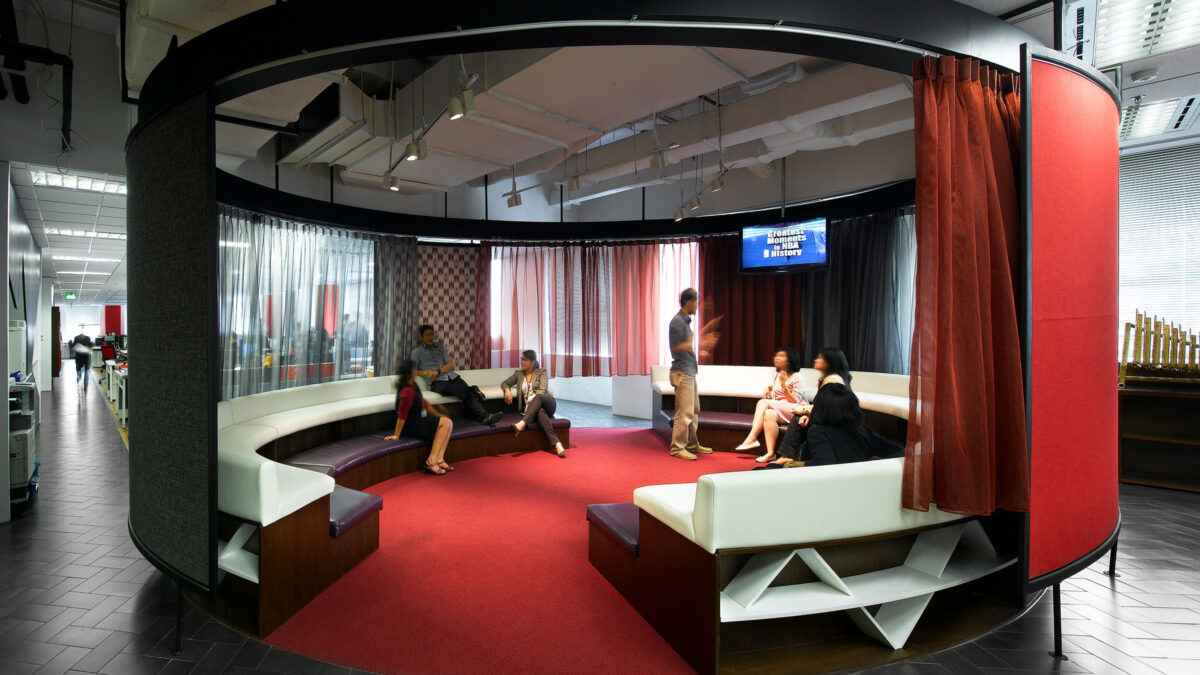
(414, 421)
(778, 404)
(535, 399)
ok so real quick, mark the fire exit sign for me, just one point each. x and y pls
(70, 296)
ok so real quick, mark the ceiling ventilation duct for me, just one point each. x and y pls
(339, 124)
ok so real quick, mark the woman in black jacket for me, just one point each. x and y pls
(836, 433)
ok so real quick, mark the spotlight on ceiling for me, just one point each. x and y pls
(393, 183)
(717, 184)
(514, 200)
(422, 149)
(695, 203)
(573, 184)
(411, 153)
(658, 160)
(468, 100)
(455, 108)
(679, 215)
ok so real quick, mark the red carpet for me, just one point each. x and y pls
(486, 570)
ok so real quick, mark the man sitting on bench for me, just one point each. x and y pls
(433, 363)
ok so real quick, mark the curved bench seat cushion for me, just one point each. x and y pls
(340, 456)
(253, 487)
(465, 428)
(722, 420)
(348, 508)
(672, 504)
(829, 503)
(618, 522)
(897, 406)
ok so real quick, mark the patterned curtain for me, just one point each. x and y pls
(447, 299)
(396, 275)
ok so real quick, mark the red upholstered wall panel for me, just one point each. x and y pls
(1073, 507)
(112, 319)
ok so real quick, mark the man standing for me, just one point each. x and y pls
(433, 363)
(683, 376)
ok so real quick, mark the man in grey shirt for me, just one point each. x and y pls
(684, 443)
(431, 361)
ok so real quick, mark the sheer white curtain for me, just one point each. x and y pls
(295, 303)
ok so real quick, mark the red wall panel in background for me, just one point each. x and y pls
(112, 319)
(1073, 456)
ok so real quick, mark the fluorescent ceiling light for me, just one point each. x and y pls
(95, 274)
(78, 258)
(84, 233)
(1147, 119)
(1127, 30)
(70, 182)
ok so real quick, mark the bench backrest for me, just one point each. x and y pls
(749, 381)
(751, 509)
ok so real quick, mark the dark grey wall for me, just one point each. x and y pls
(172, 257)
(24, 273)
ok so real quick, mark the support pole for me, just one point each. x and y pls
(179, 620)
(1112, 561)
(1058, 652)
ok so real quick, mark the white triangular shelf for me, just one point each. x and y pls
(939, 559)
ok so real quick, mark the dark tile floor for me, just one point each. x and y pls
(76, 597)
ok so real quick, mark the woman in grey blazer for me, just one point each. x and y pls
(529, 383)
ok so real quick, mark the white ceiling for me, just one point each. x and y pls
(97, 283)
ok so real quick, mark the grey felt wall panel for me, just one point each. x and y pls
(172, 327)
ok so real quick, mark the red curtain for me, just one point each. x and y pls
(966, 447)
(761, 311)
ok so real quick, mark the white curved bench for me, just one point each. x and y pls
(880, 392)
(262, 491)
(735, 533)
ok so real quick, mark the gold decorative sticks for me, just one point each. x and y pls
(1163, 352)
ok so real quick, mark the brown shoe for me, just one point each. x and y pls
(701, 450)
(683, 454)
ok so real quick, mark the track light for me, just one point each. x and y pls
(393, 183)
(717, 184)
(455, 108)
(573, 184)
(679, 215)
(514, 200)
(695, 203)
(468, 100)
(422, 149)
(411, 153)
(658, 160)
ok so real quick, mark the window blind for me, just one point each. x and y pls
(1160, 236)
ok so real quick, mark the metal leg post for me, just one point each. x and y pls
(1058, 652)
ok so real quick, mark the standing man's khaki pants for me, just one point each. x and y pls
(687, 412)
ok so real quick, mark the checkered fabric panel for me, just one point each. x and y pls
(446, 299)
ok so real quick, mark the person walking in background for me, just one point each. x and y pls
(684, 443)
(433, 363)
(414, 421)
(534, 397)
(81, 350)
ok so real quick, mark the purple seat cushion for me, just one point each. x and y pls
(722, 420)
(338, 457)
(465, 428)
(348, 508)
(617, 521)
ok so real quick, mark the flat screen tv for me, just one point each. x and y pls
(784, 247)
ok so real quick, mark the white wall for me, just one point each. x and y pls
(73, 315)
(597, 390)
(46, 340)
(631, 396)
(98, 115)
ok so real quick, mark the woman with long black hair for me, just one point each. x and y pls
(536, 402)
(834, 367)
(415, 419)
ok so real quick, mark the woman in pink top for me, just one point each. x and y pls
(778, 403)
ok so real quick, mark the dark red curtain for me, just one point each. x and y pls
(966, 447)
(761, 311)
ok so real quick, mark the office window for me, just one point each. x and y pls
(1160, 236)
